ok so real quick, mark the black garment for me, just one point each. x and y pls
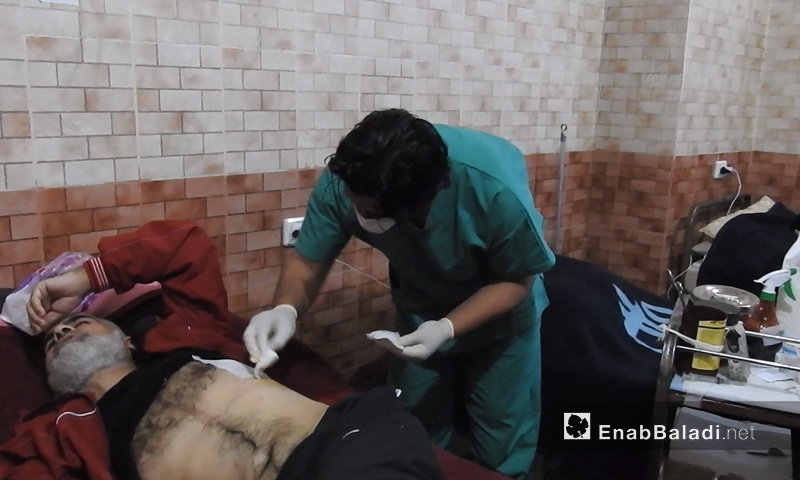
(367, 435)
(748, 247)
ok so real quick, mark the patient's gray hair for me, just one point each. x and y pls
(73, 365)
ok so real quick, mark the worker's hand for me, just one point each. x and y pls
(55, 297)
(422, 342)
(269, 331)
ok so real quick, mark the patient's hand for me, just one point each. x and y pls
(54, 297)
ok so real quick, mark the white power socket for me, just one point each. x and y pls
(716, 172)
(291, 230)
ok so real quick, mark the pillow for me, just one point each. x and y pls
(760, 206)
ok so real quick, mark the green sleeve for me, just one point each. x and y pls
(324, 231)
(516, 246)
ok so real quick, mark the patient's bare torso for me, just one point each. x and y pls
(207, 424)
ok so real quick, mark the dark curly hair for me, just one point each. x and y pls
(394, 158)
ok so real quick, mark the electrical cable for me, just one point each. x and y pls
(738, 192)
(362, 273)
(75, 414)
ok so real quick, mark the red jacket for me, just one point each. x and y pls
(182, 257)
(60, 441)
(56, 442)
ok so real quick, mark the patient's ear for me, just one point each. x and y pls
(129, 343)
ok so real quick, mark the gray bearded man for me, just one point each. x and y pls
(206, 422)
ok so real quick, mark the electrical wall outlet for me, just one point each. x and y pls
(717, 172)
(291, 230)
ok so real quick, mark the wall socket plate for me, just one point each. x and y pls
(716, 172)
(291, 230)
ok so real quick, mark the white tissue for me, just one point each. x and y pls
(14, 310)
(769, 374)
(387, 340)
(263, 362)
(238, 369)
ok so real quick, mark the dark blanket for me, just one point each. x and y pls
(748, 247)
(600, 354)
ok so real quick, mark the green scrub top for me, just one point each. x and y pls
(482, 227)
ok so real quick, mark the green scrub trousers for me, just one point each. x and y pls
(500, 392)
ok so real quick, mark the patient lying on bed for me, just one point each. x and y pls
(216, 421)
(188, 408)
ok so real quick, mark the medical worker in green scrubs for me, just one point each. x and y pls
(451, 209)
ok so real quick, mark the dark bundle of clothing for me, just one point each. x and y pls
(749, 246)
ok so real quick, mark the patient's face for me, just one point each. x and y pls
(78, 347)
(72, 328)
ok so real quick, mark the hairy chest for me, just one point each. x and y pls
(194, 431)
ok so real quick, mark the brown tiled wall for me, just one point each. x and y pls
(639, 204)
(622, 211)
(543, 179)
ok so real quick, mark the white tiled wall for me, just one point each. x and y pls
(688, 77)
(114, 90)
(722, 76)
(556, 50)
(778, 123)
(642, 72)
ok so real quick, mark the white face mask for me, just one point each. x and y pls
(375, 225)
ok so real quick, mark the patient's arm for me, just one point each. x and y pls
(55, 297)
(177, 254)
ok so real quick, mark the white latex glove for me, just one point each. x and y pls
(426, 339)
(268, 332)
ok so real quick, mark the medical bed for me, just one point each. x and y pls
(23, 385)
